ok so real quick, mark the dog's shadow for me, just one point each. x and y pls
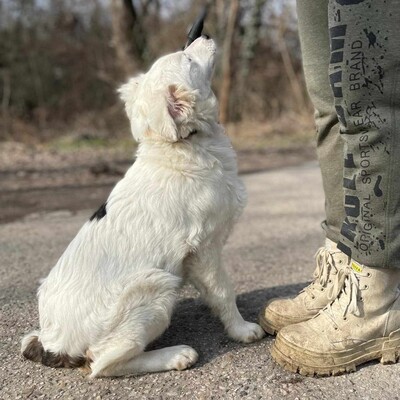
(193, 323)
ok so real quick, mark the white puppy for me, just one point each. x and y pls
(113, 290)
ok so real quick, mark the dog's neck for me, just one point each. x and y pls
(200, 153)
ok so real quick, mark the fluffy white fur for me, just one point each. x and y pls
(113, 290)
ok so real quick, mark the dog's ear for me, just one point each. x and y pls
(180, 107)
(180, 102)
(128, 91)
(155, 112)
(135, 106)
(169, 110)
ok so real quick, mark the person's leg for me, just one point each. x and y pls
(364, 73)
(315, 48)
(314, 37)
(363, 322)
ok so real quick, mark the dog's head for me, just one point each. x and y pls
(174, 98)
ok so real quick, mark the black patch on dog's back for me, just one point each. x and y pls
(100, 213)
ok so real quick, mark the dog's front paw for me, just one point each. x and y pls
(184, 357)
(246, 332)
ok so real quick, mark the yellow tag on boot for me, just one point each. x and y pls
(356, 267)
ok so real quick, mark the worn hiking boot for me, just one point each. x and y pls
(361, 324)
(278, 313)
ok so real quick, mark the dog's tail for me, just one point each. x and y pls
(32, 349)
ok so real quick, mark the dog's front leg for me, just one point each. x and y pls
(205, 271)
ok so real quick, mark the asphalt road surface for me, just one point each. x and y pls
(269, 254)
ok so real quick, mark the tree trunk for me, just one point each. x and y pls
(300, 99)
(226, 61)
(248, 49)
(5, 103)
(124, 19)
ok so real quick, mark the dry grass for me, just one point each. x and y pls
(289, 130)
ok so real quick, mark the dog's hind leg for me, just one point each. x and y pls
(142, 314)
(166, 359)
(207, 274)
(119, 355)
(113, 356)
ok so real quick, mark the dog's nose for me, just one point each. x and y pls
(205, 36)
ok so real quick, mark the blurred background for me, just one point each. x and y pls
(61, 62)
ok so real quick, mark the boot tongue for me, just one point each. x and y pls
(330, 245)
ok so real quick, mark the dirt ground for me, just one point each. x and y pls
(32, 183)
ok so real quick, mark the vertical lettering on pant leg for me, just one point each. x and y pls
(349, 161)
(337, 34)
(337, 43)
(336, 82)
(348, 2)
(340, 114)
(350, 183)
(363, 80)
(345, 249)
(352, 205)
(336, 57)
(337, 31)
(348, 230)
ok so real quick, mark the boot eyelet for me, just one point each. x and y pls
(361, 299)
(344, 318)
(322, 289)
(368, 274)
(313, 297)
(330, 281)
(336, 328)
(366, 286)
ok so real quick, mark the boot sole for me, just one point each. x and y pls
(309, 363)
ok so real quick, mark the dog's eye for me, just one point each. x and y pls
(187, 57)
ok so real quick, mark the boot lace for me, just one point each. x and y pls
(347, 289)
(325, 265)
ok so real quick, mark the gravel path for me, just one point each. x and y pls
(269, 254)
